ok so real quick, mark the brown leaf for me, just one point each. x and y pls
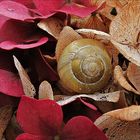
(52, 25)
(13, 129)
(5, 115)
(128, 52)
(119, 77)
(45, 91)
(125, 27)
(94, 34)
(67, 35)
(117, 129)
(133, 74)
(106, 12)
(130, 113)
(28, 87)
(118, 4)
(90, 22)
(109, 97)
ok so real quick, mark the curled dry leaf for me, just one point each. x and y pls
(119, 77)
(28, 87)
(130, 53)
(117, 129)
(133, 74)
(125, 26)
(130, 113)
(106, 12)
(13, 129)
(67, 35)
(94, 34)
(118, 4)
(45, 91)
(110, 97)
(90, 22)
(5, 116)
(51, 25)
(124, 31)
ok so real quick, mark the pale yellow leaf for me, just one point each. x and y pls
(133, 74)
(109, 97)
(45, 91)
(28, 87)
(119, 77)
(130, 113)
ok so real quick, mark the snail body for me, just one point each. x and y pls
(84, 66)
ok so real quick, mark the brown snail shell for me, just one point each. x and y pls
(84, 66)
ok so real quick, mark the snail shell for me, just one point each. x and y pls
(84, 66)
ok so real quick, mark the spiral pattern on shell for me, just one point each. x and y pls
(84, 66)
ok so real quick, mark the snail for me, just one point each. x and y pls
(84, 66)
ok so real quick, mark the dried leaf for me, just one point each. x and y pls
(52, 25)
(45, 91)
(94, 34)
(125, 27)
(5, 116)
(28, 87)
(67, 35)
(90, 22)
(110, 97)
(119, 77)
(130, 113)
(13, 129)
(106, 12)
(117, 129)
(118, 4)
(133, 74)
(128, 52)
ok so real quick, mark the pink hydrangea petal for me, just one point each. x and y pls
(9, 45)
(77, 10)
(88, 104)
(28, 3)
(39, 117)
(10, 84)
(47, 7)
(82, 128)
(15, 10)
(17, 34)
(26, 136)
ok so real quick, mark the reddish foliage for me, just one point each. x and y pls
(42, 119)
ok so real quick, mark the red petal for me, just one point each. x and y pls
(82, 128)
(88, 104)
(77, 10)
(26, 136)
(17, 34)
(9, 45)
(39, 117)
(28, 3)
(14, 10)
(48, 7)
(10, 84)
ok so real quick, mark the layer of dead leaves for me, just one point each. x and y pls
(116, 24)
